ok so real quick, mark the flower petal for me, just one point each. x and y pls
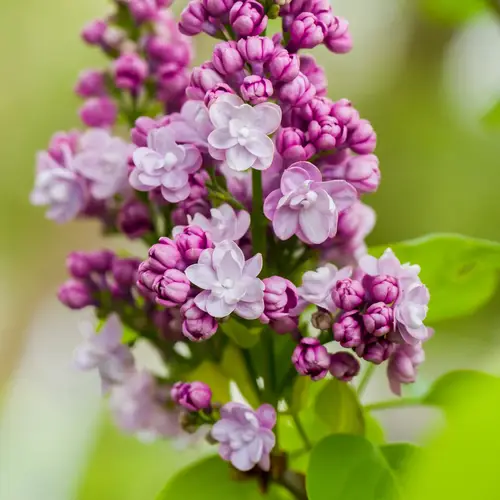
(268, 117)
(202, 276)
(228, 269)
(241, 460)
(271, 203)
(249, 310)
(253, 266)
(174, 179)
(161, 141)
(312, 170)
(221, 112)
(227, 246)
(192, 160)
(201, 300)
(221, 138)
(242, 224)
(292, 179)
(260, 145)
(254, 290)
(218, 307)
(239, 158)
(174, 196)
(285, 222)
(315, 225)
(342, 193)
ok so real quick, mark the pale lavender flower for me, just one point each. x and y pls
(224, 224)
(191, 125)
(138, 406)
(105, 352)
(241, 132)
(229, 283)
(317, 285)
(410, 312)
(103, 161)
(165, 164)
(245, 436)
(306, 206)
(403, 364)
(61, 189)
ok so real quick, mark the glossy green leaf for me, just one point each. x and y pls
(461, 272)
(492, 118)
(350, 468)
(242, 335)
(399, 456)
(453, 11)
(301, 393)
(374, 431)
(338, 407)
(449, 390)
(213, 479)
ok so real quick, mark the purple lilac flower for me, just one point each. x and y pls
(378, 319)
(76, 294)
(171, 288)
(284, 67)
(94, 31)
(292, 144)
(338, 39)
(311, 358)
(134, 219)
(382, 288)
(193, 396)
(165, 255)
(348, 294)
(241, 132)
(306, 32)
(91, 84)
(248, 18)
(191, 241)
(105, 352)
(129, 72)
(165, 164)
(256, 50)
(218, 8)
(280, 297)
(197, 325)
(229, 283)
(375, 350)
(362, 139)
(306, 206)
(245, 436)
(315, 73)
(348, 330)
(226, 58)
(256, 89)
(317, 285)
(403, 364)
(124, 271)
(99, 112)
(298, 92)
(103, 161)
(344, 366)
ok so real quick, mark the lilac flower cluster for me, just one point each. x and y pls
(240, 177)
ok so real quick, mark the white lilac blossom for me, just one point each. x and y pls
(165, 164)
(224, 223)
(306, 206)
(103, 162)
(240, 138)
(229, 283)
(59, 188)
(245, 436)
(105, 352)
(317, 285)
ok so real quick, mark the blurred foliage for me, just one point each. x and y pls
(453, 11)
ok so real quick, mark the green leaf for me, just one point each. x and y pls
(461, 272)
(301, 394)
(350, 468)
(338, 407)
(129, 336)
(453, 11)
(211, 374)
(492, 118)
(241, 334)
(213, 479)
(374, 431)
(448, 391)
(399, 456)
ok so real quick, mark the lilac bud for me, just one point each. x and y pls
(172, 79)
(403, 364)
(193, 396)
(344, 366)
(348, 294)
(362, 139)
(361, 171)
(168, 322)
(130, 71)
(75, 294)
(216, 91)
(79, 265)
(322, 320)
(248, 18)
(298, 92)
(378, 319)
(165, 255)
(172, 288)
(345, 113)
(90, 84)
(327, 133)
(338, 38)
(317, 109)
(286, 324)
(139, 134)
(306, 32)
(134, 219)
(125, 271)
(218, 8)
(348, 330)
(376, 352)
(93, 32)
(203, 79)
(280, 297)
(191, 242)
(101, 260)
(99, 112)
(284, 67)
(194, 17)
(382, 288)
(314, 72)
(226, 58)
(311, 358)
(292, 144)
(146, 277)
(256, 89)
(256, 49)
(197, 325)
(146, 10)
(161, 49)
(61, 143)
